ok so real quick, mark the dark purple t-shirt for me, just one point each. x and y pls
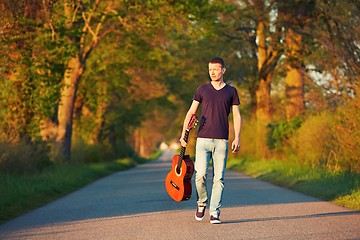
(216, 107)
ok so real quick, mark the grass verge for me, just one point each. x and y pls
(20, 193)
(341, 188)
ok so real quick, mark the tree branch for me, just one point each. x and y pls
(88, 27)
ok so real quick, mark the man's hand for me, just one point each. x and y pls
(182, 142)
(235, 146)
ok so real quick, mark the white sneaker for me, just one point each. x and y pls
(200, 212)
(214, 220)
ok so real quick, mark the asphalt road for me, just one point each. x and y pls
(134, 205)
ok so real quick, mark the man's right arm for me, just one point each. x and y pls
(192, 110)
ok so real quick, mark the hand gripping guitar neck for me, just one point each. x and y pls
(178, 180)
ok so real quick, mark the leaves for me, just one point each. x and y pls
(144, 59)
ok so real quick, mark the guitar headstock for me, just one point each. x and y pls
(192, 123)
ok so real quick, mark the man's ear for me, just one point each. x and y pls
(223, 70)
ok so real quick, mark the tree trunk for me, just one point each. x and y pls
(294, 82)
(263, 100)
(66, 107)
(262, 116)
(102, 105)
(263, 88)
(294, 89)
(139, 145)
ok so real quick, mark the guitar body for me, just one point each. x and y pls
(178, 184)
(178, 180)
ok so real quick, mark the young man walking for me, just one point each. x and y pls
(217, 99)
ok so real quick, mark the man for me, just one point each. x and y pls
(217, 99)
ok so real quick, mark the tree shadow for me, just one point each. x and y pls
(142, 190)
(320, 215)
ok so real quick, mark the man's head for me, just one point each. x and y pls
(218, 60)
(216, 69)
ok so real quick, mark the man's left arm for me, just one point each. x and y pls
(235, 146)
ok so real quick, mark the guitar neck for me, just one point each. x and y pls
(182, 152)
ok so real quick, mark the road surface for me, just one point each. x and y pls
(134, 205)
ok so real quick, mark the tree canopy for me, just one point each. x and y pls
(121, 74)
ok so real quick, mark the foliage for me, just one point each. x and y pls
(89, 153)
(30, 73)
(311, 142)
(346, 142)
(326, 140)
(340, 187)
(337, 32)
(351, 201)
(248, 137)
(23, 158)
(142, 61)
(147, 59)
(281, 132)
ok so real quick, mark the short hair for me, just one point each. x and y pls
(218, 60)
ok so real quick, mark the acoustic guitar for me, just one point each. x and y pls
(178, 180)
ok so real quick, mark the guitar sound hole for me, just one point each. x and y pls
(178, 171)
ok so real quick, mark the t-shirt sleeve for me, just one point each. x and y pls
(198, 95)
(236, 99)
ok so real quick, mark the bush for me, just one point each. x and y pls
(346, 141)
(280, 132)
(84, 152)
(23, 157)
(248, 137)
(311, 143)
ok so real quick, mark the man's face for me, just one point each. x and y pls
(216, 71)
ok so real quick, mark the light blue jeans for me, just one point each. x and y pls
(217, 150)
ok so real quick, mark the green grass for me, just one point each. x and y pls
(20, 193)
(342, 188)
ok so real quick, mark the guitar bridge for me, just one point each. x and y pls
(174, 185)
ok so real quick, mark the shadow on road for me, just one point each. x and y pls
(141, 190)
(321, 215)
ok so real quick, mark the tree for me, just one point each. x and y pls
(336, 39)
(29, 76)
(86, 24)
(145, 30)
(268, 53)
(296, 14)
(257, 23)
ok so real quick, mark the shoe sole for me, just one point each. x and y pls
(215, 221)
(199, 219)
